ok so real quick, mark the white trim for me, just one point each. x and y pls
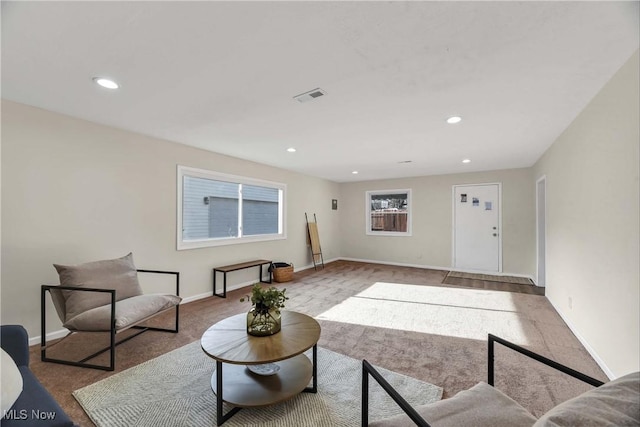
(435, 267)
(398, 264)
(367, 202)
(453, 228)
(543, 179)
(50, 336)
(585, 343)
(205, 243)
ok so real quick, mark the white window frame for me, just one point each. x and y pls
(371, 232)
(222, 241)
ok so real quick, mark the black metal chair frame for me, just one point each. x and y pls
(368, 369)
(222, 418)
(113, 343)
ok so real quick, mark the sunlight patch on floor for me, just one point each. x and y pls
(461, 313)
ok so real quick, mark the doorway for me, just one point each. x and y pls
(477, 240)
(541, 231)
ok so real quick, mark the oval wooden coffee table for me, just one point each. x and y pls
(228, 343)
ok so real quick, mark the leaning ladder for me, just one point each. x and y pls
(314, 241)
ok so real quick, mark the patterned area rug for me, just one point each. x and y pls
(489, 278)
(174, 390)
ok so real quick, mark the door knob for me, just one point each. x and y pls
(495, 234)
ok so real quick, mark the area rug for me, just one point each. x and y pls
(488, 278)
(175, 390)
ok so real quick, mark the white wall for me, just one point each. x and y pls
(431, 240)
(74, 191)
(592, 223)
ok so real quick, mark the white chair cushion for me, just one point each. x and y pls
(11, 382)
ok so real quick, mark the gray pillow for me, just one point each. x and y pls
(616, 403)
(119, 274)
(481, 405)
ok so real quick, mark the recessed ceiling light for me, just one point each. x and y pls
(355, 172)
(466, 161)
(291, 150)
(454, 119)
(109, 84)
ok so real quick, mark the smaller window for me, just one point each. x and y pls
(389, 212)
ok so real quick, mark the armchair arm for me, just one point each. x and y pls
(76, 288)
(175, 273)
(562, 368)
(50, 288)
(368, 369)
(43, 314)
(15, 341)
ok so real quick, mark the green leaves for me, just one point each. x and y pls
(265, 299)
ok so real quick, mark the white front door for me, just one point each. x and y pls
(476, 228)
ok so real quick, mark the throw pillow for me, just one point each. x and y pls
(616, 403)
(11, 382)
(119, 274)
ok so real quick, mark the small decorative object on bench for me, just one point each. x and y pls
(105, 296)
(282, 272)
(616, 403)
(264, 318)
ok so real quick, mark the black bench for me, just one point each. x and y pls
(235, 267)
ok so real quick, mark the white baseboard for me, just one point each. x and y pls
(435, 267)
(399, 264)
(196, 297)
(586, 345)
(50, 336)
(308, 266)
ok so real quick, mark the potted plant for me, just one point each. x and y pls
(264, 318)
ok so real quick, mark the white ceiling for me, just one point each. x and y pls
(222, 75)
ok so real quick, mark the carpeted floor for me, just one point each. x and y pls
(439, 356)
(175, 390)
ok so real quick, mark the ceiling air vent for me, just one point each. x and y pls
(308, 96)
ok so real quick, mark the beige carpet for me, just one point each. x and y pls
(488, 278)
(174, 390)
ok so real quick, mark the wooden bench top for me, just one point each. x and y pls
(240, 266)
